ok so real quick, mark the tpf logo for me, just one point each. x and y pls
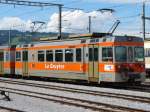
(108, 67)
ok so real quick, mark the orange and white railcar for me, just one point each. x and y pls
(91, 58)
(7, 60)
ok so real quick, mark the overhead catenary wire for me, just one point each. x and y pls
(66, 8)
(130, 16)
(115, 6)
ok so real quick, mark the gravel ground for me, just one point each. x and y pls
(37, 105)
(29, 104)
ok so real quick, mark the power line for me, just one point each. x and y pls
(129, 21)
(117, 6)
(131, 16)
(28, 3)
(72, 8)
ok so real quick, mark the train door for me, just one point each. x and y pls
(12, 59)
(93, 63)
(1, 62)
(25, 62)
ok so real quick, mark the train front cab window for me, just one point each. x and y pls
(139, 54)
(107, 54)
(121, 54)
(130, 54)
(93, 62)
(1, 62)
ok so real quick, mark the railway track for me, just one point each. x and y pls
(147, 84)
(6, 109)
(92, 105)
(142, 87)
(134, 98)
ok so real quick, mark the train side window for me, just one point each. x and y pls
(58, 55)
(49, 55)
(40, 56)
(69, 55)
(78, 55)
(121, 53)
(18, 56)
(130, 54)
(107, 54)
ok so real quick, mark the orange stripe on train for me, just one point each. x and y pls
(85, 45)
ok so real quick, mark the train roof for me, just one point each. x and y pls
(128, 38)
(88, 39)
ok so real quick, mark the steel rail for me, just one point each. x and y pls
(5, 109)
(82, 91)
(92, 105)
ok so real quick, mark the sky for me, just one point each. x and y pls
(76, 20)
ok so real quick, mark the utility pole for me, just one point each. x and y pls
(9, 37)
(89, 28)
(60, 22)
(143, 20)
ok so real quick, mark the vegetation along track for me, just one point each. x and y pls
(140, 99)
(92, 105)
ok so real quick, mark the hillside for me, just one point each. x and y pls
(22, 37)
